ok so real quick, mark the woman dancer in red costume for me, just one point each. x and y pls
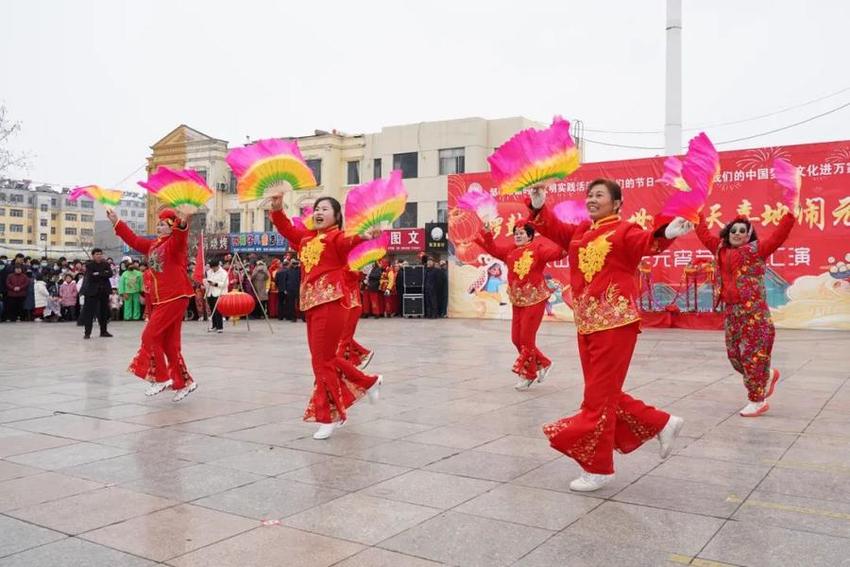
(160, 360)
(526, 259)
(325, 300)
(749, 329)
(604, 254)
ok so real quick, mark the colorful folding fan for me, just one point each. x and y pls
(532, 156)
(790, 179)
(375, 203)
(269, 167)
(184, 191)
(106, 197)
(369, 251)
(305, 221)
(693, 178)
(571, 212)
(479, 202)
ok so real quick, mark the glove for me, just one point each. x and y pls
(538, 197)
(678, 227)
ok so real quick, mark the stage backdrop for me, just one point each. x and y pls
(808, 280)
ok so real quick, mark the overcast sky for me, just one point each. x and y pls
(96, 82)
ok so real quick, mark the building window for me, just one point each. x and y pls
(53, 201)
(42, 237)
(235, 222)
(267, 223)
(202, 173)
(42, 222)
(53, 216)
(70, 203)
(2, 212)
(315, 166)
(16, 213)
(16, 228)
(442, 211)
(67, 243)
(15, 241)
(86, 218)
(352, 175)
(70, 216)
(16, 198)
(86, 232)
(408, 163)
(70, 231)
(409, 218)
(451, 161)
(52, 230)
(43, 207)
(233, 183)
(2, 196)
(87, 204)
(376, 169)
(2, 228)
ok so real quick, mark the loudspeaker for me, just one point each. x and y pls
(413, 305)
(414, 276)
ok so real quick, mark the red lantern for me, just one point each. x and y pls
(235, 304)
(463, 225)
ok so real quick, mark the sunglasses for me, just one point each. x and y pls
(742, 230)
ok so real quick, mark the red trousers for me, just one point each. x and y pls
(350, 349)
(524, 326)
(391, 304)
(376, 303)
(159, 357)
(338, 383)
(273, 303)
(608, 419)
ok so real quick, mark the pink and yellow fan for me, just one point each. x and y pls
(106, 197)
(305, 221)
(790, 179)
(692, 177)
(374, 204)
(571, 212)
(533, 156)
(368, 252)
(184, 191)
(269, 167)
(479, 202)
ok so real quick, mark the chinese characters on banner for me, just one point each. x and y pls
(809, 277)
(408, 240)
(259, 242)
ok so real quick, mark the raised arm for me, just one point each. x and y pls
(769, 245)
(486, 241)
(548, 225)
(548, 250)
(289, 231)
(132, 239)
(642, 242)
(708, 240)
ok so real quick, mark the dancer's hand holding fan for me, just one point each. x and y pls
(269, 167)
(790, 179)
(184, 191)
(692, 177)
(371, 205)
(534, 156)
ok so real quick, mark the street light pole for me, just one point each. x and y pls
(673, 98)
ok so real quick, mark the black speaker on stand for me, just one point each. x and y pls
(413, 298)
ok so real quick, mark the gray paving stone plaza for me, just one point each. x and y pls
(449, 468)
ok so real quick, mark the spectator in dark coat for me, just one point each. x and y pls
(96, 289)
(292, 285)
(432, 304)
(280, 282)
(17, 284)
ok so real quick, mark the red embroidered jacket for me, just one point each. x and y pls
(526, 284)
(742, 269)
(324, 261)
(604, 256)
(168, 261)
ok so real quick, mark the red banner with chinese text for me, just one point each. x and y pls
(809, 276)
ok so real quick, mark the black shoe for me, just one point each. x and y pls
(107, 335)
(86, 336)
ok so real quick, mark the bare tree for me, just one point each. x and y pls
(8, 158)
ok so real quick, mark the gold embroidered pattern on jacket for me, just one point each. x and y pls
(322, 291)
(610, 311)
(311, 252)
(523, 264)
(591, 257)
(528, 294)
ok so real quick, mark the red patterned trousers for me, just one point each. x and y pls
(159, 357)
(524, 326)
(749, 345)
(338, 383)
(608, 419)
(349, 348)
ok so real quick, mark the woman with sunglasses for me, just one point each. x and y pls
(526, 259)
(325, 300)
(741, 260)
(604, 253)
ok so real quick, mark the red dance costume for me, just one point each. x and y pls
(388, 288)
(159, 357)
(749, 327)
(325, 299)
(528, 292)
(604, 257)
(349, 348)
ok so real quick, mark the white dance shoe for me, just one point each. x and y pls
(667, 436)
(543, 373)
(523, 384)
(326, 430)
(184, 391)
(157, 388)
(366, 360)
(755, 409)
(588, 482)
(374, 393)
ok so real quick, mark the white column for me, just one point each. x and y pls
(673, 98)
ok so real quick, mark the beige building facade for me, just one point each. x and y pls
(426, 152)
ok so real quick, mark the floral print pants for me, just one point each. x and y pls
(749, 343)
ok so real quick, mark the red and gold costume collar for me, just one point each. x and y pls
(610, 219)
